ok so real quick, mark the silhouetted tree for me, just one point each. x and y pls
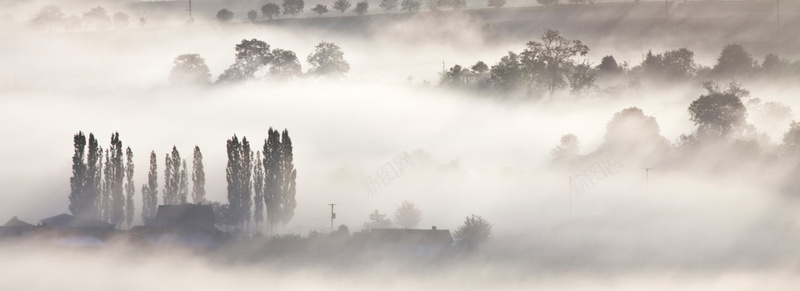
(328, 60)
(198, 177)
(96, 18)
(258, 190)
(547, 2)
(458, 4)
(676, 64)
(544, 60)
(252, 15)
(791, 141)
(93, 184)
(717, 115)
(172, 178)
(284, 65)
(272, 180)
(567, 150)
(238, 175)
(104, 203)
(377, 220)
(389, 6)
(190, 69)
(130, 188)
(609, 66)
(507, 75)
(361, 8)
(320, 9)
(734, 61)
(407, 215)
(475, 230)
(270, 10)
(246, 182)
(341, 5)
(224, 15)
(150, 191)
(183, 184)
(49, 17)
(289, 179)
(293, 7)
(251, 56)
(279, 178)
(117, 171)
(581, 77)
(410, 6)
(77, 198)
(496, 4)
(121, 19)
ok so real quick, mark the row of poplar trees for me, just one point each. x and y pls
(267, 184)
(96, 187)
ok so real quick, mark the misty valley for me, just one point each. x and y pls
(400, 144)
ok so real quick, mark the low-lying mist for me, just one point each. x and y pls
(725, 218)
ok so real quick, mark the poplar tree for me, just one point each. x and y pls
(183, 190)
(289, 177)
(94, 175)
(232, 175)
(272, 191)
(245, 170)
(198, 177)
(76, 182)
(172, 178)
(258, 189)
(105, 196)
(117, 170)
(150, 191)
(167, 183)
(130, 189)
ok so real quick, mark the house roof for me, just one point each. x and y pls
(185, 215)
(68, 221)
(15, 222)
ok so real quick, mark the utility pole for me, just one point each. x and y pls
(333, 215)
(778, 7)
(647, 179)
(190, 11)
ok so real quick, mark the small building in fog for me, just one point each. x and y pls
(185, 225)
(70, 231)
(15, 228)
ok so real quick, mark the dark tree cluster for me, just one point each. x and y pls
(96, 188)
(255, 59)
(262, 185)
(553, 63)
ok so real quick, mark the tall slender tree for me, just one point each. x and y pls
(117, 202)
(105, 200)
(289, 177)
(150, 191)
(130, 189)
(93, 182)
(172, 178)
(76, 196)
(258, 189)
(183, 190)
(198, 177)
(246, 171)
(272, 192)
(233, 176)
